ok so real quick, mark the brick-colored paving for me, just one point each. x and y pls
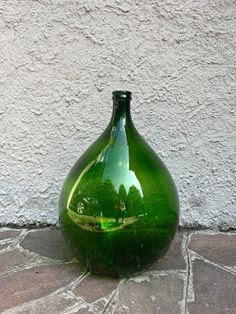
(39, 275)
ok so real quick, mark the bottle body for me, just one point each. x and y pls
(119, 207)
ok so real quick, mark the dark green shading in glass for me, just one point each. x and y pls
(119, 207)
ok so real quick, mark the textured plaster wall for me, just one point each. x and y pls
(60, 61)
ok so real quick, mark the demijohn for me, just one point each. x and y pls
(119, 207)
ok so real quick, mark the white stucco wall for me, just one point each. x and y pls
(60, 61)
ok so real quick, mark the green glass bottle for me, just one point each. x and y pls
(119, 207)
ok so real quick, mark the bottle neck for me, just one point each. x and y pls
(121, 107)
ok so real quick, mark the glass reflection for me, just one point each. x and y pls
(107, 195)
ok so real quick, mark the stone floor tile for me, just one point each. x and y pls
(84, 310)
(151, 295)
(13, 259)
(36, 282)
(219, 248)
(10, 233)
(53, 304)
(88, 310)
(27, 290)
(47, 242)
(214, 290)
(95, 287)
(173, 258)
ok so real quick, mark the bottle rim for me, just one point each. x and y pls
(125, 94)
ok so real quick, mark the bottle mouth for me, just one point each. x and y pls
(123, 94)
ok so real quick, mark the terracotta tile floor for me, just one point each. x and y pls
(39, 275)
